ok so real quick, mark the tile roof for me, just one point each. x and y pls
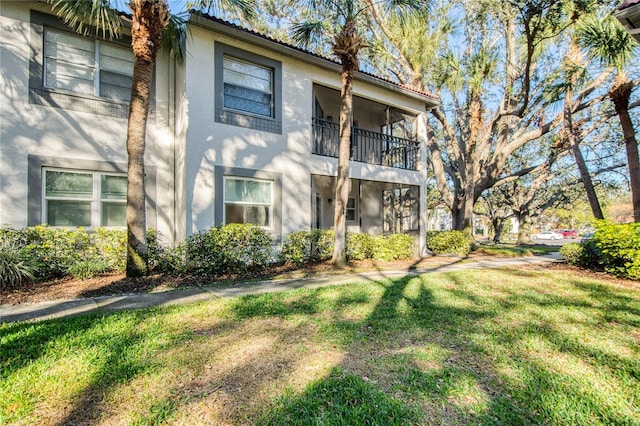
(308, 52)
(628, 3)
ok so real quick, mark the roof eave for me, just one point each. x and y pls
(625, 15)
(257, 40)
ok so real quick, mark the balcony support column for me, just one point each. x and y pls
(422, 166)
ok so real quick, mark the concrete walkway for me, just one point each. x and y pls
(63, 308)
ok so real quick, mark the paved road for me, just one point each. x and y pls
(63, 308)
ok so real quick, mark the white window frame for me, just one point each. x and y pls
(95, 200)
(96, 67)
(242, 203)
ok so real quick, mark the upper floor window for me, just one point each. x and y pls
(248, 87)
(87, 66)
(88, 199)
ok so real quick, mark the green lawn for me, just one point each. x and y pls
(508, 346)
(513, 250)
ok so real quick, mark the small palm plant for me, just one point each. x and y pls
(15, 270)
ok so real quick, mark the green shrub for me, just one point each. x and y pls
(449, 242)
(15, 270)
(228, 249)
(162, 258)
(111, 247)
(296, 248)
(394, 247)
(57, 252)
(572, 253)
(89, 268)
(619, 248)
(307, 246)
(312, 246)
(322, 244)
(360, 246)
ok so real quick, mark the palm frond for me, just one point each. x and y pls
(174, 37)
(245, 8)
(89, 16)
(605, 40)
(305, 33)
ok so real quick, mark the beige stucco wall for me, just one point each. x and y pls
(46, 131)
(209, 144)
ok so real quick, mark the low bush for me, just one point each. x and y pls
(572, 253)
(312, 246)
(233, 248)
(449, 242)
(58, 252)
(618, 247)
(163, 258)
(360, 246)
(394, 247)
(307, 246)
(85, 269)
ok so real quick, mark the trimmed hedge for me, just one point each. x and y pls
(312, 246)
(57, 252)
(619, 248)
(307, 246)
(614, 248)
(228, 249)
(449, 242)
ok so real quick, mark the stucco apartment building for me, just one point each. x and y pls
(244, 130)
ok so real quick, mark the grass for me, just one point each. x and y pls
(509, 346)
(512, 250)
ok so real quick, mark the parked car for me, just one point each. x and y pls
(586, 237)
(547, 235)
(568, 233)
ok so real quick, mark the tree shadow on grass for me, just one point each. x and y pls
(430, 351)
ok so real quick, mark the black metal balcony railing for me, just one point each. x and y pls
(366, 146)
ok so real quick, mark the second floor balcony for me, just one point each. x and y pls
(367, 146)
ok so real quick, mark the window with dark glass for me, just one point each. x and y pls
(87, 66)
(248, 87)
(248, 201)
(84, 199)
(351, 210)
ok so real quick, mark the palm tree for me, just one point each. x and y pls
(607, 41)
(341, 18)
(573, 70)
(152, 27)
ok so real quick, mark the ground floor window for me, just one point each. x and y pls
(83, 198)
(248, 201)
(351, 210)
(400, 209)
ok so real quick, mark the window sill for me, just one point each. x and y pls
(248, 120)
(78, 102)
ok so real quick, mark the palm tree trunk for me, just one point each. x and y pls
(346, 46)
(577, 153)
(137, 264)
(342, 184)
(620, 94)
(150, 17)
